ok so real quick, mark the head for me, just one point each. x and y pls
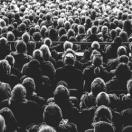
(61, 94)
(21, 46)
(98, 85)
(102, 99)
(2, 124)
(18, 93)
(10, 59)
(10, 120)
(48, 42)
(46, 52)
(52, 115)
(26, 37)
(37, 54)
(95, 45)
(69, 59)
(121, 50)
(46, 128)
(103, 126)
(5, 67)
(67, 45)
(127, 128)
(123, 71)
(81, 29)
(30, 86)
(103, 113)
(10, 36)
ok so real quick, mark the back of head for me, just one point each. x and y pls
(46, 128)
(61, 94)
(21, 46)
(98, 85)
(102, 99)
(29, 84)
(129, 86)
(2, 124)
(123, 71)
(121, 51)
(127, 129)
(103, 113)
(52, 114)
(67, 45)
(95, 45)
(18, 93)
(103, 127)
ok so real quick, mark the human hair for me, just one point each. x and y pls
(48, 42)
(94, 29)
(61, 31)
(67, 45)
(5, 68)
(103, 126)
(98, 85)
(3, 41)
(70, 33)
(123, 71)
(52, 114)
(21, 46)
(46, 52)
(26, 37)
(38, 54)
(10, 120)
(2, 124)
(124, 36)
(46, 128)
(67, 25)
(103, 113)
(81, 29)
(123, 59)
(129, 86)
(121, 51)
(61, 94)
(69, 59)
(10, 36)
(10, 59)
(95, 45)
(30, 86)
(37, 36)
(127, 128)
(65, 126)
(103, 99)
(18, 93)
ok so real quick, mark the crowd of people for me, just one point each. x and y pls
(66, 66)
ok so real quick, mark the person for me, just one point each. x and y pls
(24, 110)
(70, 74)
(46, 128)
(2, 124)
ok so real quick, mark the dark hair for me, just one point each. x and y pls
(21, 47)
(98, 85)
(103, 113)
(103, 126)
(123, 71)
(52, 114)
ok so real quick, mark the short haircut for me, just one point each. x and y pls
(103, 99)
(25, 37)
(52, 114)
(98, 85)
(103, 126)
(46, 128)
(10, 59)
